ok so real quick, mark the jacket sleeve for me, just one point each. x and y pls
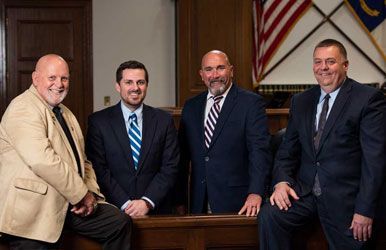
(165, 178)
(287, 158)
(373, 145)
(257, 138)
(182, 185)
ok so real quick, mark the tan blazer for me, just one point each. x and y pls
(38, 171)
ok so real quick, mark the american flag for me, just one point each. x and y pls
(273, 19)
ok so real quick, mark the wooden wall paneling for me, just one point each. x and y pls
(36, 28)
(204, 25)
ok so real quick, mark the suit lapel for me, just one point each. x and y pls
(149, 127)
(71, 126)
(229, 103)
(200, 117)
(117, 123)
(64, 137)
(55, 121)
(336, 109)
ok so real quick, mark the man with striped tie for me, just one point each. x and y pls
(133, 147)
(224, 135)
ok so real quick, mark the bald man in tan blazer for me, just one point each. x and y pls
(45, 182)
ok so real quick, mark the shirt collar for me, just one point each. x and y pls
(333, 94)
(127, 112)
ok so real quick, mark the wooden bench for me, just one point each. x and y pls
(202, 232)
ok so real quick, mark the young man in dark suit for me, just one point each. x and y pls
(332, 158)
(224, 135)
(133, 147)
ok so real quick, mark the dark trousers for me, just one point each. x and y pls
(107, 225)
(276, 227)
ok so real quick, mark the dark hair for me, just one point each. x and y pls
(333, 42)
(132, 64)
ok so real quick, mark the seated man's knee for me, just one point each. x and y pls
(265, 213)
(125, 221)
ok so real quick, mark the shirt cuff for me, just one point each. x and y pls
(125, 205)
(148, 200)
(289, 184)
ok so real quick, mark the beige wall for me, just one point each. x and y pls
(134, 29)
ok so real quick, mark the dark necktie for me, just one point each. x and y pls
(66, 130)
(322, 122)
(211, 120)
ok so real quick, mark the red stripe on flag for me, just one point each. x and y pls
(278, 19)
(283, 32)
(271, 9)
(264, 52)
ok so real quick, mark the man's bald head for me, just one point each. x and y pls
(216, 72)
(215, 53)
(49, 59)
(51, 78)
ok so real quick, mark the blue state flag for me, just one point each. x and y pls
(371, 15)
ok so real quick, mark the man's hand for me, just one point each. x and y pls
(252, 205)
(280, 196)
(86, 206)
(137, 208)
(361, 227)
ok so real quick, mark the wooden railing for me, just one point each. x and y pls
(192, 233)
(277, 118)
(203, 232)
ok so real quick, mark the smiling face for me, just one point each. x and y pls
(51, 78)
(132, 87)
(330, 67)
(216, 72)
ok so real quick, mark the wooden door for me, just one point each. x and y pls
(35, 28)
(204, 25)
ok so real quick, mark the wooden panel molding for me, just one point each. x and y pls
(60, 32)
(204, 25)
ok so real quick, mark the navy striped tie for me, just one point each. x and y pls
(211, 120)
(135, 139)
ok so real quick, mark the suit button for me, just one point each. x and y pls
(318, 164)
(203, 181)
(206, 158)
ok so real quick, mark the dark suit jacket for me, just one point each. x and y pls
(238, 159)
(108, 148)
(351, 158)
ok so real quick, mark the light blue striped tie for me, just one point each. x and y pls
(135, 139)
